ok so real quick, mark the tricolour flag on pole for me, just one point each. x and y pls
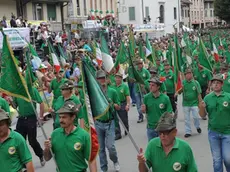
(98, 54)
(11, 81)
(96, 106)
(214, 49)
(54, 57)
(36, 61)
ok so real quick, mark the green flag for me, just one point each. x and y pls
(132, 44)
(141, 51)
(121, 55)
(98, 101)
(11, 81)
(203, 56)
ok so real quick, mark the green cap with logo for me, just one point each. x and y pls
(166, 122)
(67, 85)
(69, 107)
(3, 115)
(217, 77)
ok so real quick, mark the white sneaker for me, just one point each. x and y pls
(117, 167)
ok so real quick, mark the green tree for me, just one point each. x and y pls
(221, 9)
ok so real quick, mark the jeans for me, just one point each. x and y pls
(194, 111)
(151, 133)
(138, 103)
(28, 127)
(220, 148)
(106, 137)
(132, 92)
(123, 114)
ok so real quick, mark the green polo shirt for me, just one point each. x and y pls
(112, 81)
(169, 82)
(226, 86)
(4, 105)
(122, 91)
(145, 75)
(155, 107)
(71, 151)
(55, 87)
(25, 108)
(180, 158)
(60, 103)
(218, 108)
(14, 153)
(191, 91)
(202, 76)
(113, 99)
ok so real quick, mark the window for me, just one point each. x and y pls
(91, 4)
(38, 11)
(78, 8)
(162, 14)
(85, 8)
(205, 13)
(198, 14)
(146, 11)
(100, 4)
(211, 5)
(182, 13)
(106, 1)
(95, 5)
(132, 14)
(206, 5)
(211, 13)
(51, 12)
(175, 14)
(111, 4)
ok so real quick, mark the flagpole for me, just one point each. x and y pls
(43, 132)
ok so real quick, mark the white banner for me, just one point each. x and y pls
(16, 37)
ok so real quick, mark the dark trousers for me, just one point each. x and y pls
(132, 92)
(27, 126)
(173, 101)
(203, 89)
(123, 114)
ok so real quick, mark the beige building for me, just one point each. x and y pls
(210, 18)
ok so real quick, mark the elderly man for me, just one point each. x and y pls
(167, 153)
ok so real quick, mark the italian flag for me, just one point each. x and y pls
(106, 58)
(214, 49)
(54, 57)
(36, 61)
(98, 55)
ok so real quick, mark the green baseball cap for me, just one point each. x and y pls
(166, 122)
(69, 107)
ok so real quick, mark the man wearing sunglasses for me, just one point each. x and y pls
(167, 153)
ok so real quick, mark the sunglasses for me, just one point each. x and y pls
(165, 133)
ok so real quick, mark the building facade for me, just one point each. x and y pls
(160, 11)
(185, 13)
(209, 15)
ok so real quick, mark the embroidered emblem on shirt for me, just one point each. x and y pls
(11, 150)
(225, 104)
(161, 106)
(194, 88)
(144, 75)
(229, 81)
(204, 75)
(177, 166)
(122, 91)
(77, 146)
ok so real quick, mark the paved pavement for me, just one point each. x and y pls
(127, 153)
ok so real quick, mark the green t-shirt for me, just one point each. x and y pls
(145, 75)
(60, 103)
(25, 108)
(4, 105)
(55, 87)
(122, 92)
(14, 153)
(180, 158)
(112, 81)
(169, 82)
(191, 91)
(218, 108)
(113, 99)
(226, 86)
(155, 107)
(202, 76)
(71, 151)
(160, 68)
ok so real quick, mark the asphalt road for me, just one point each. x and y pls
(127, 153)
